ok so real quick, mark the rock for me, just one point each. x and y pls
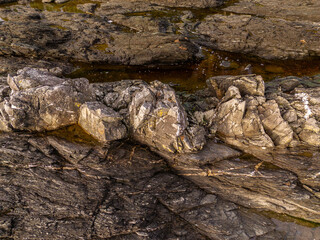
(75, 191)
(40, 101)
(247, 181)
(158, 120)
(299, 105)
(61, 1)
(289, 9)
(87, 7)
(252, 85)
(270, 38)
(311, 132)
(237, 121)
(101, 122)
(88, 38)
(276, 127)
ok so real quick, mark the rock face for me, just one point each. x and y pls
(263, 37)
(71, 191)
(247, 85)
(56, 35)
(40, 101)
(158, 119)
(248, 182)
(101, 122)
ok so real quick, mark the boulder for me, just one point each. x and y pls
(311, 132)
(102, 122)
(247, 84)
(276, 127)
(40, 101)
(158, 120)
(237, 121)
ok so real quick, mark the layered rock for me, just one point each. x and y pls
(54, 189)
(101, 122)
(40, 101)
(157, 117)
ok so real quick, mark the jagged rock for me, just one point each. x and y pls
(237, 121)
(252, 85)
(278, 129)
(311, 132)
(101, 122)
(40, 101)
(158, 120)
(299, 105)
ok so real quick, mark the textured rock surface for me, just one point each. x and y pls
(264, 37)
(41, 101)
(158, 120)
(247, 85)
(55, 189)
(247, 181)
(102, 122)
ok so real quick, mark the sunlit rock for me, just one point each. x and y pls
(102, 122)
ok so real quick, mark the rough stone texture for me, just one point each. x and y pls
(311, 132)
(102, 122)
(237, 121)
(54, 189)
(87, 38)
(299, 103)
(158, 120)
(40, 101)
(252, 85)
(288, 9)
(248, 182)
(276, 127)
(264, 37)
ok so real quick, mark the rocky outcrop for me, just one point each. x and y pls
(152, 113)
(157, 117)
(248, 181)
(268, 38)
(56, 35)
(40, 101)
(102, 122)
(71, 190)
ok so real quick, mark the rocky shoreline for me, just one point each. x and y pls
(269, 121)
(130, 159)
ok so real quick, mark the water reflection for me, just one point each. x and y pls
(191, 77)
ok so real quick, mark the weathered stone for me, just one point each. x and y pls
(264, 37)
(247, 85)
(278, 129)
(158, 120)
(311, 132)
(248, 182)
(101, 122)
(124, 191)
(87, 7)
(237, 121)
(42, 102)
